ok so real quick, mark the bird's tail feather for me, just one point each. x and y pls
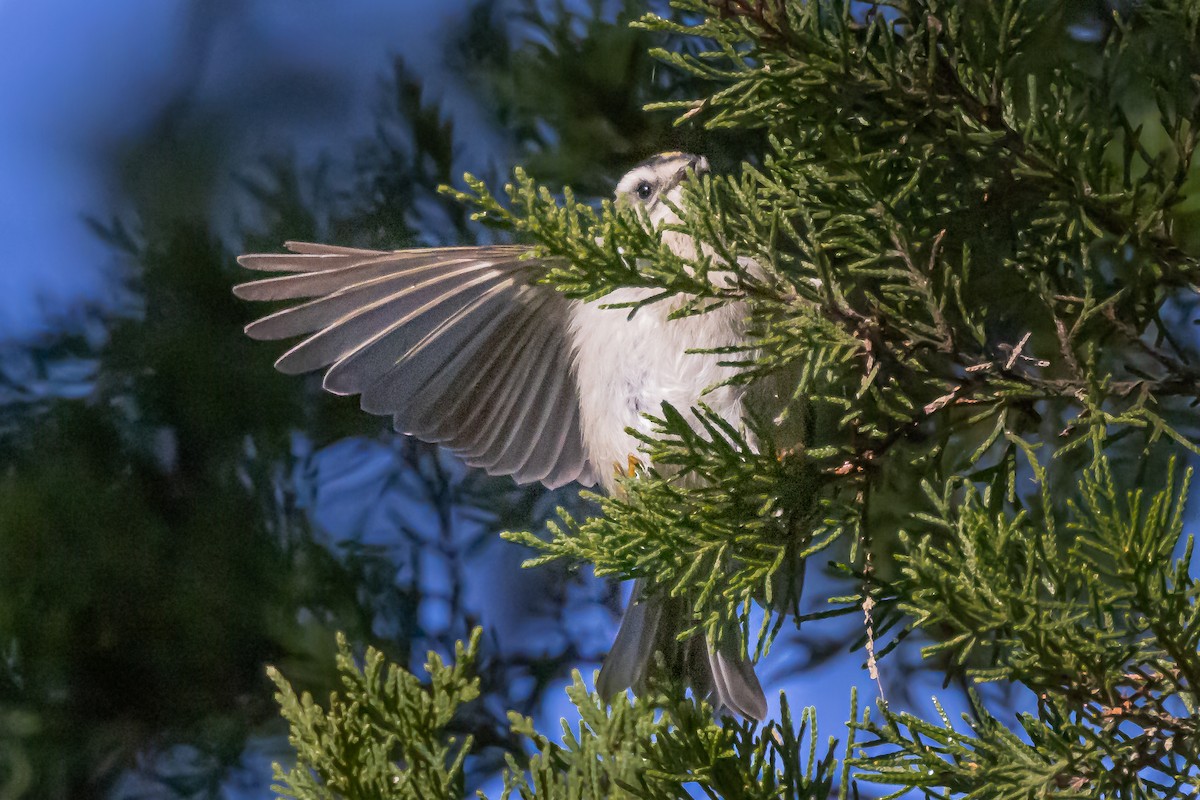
(722, 676)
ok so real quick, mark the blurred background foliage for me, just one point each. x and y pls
(174, 515)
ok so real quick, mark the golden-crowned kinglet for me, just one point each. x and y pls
(461, 347)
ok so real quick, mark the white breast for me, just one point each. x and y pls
(628, 365)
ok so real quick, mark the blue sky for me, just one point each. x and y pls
(79, 80)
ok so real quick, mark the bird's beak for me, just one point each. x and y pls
(697, 164)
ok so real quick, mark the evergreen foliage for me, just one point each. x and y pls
(387, 735)
(975, 231)
(384, 737)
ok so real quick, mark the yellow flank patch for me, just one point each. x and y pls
(634, 465)
(671, 154)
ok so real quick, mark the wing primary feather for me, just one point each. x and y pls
(525, 422)
(442, 351)
(558, 422)
(360, 298)
(306, 258)
(365, 354)
(529, 368)
(572, 463)
(444, 425)
(527, 426)
(309, 248)
(550, 444)
(426, 394)
(342, 276)
(479, 427)
(289, 262)
(405, 316)
(495, 427)
(431, 398)
(471, 401)
(340, 281)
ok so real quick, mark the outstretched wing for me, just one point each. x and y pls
(455, 343)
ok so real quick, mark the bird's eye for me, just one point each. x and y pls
(644, 190)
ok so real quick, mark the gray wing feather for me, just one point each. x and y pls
(485, 381)
(548, 448)
(737, 687)
(309, 248)
(625, 665)
(571, 460)
(361, 313)
(515, 366)
(429, 415)
(651, 624)
(488, 323)
(513, 457)
(456, 344)
(367, 347)
(507, 423)
(480, 393)
(306, 257)
(366, 275)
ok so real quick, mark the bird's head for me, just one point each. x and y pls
(647, 184)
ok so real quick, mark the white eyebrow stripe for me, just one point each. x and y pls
(631, 181)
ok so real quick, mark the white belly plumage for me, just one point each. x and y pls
(631, 364)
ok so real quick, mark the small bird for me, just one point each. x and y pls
(463, 348)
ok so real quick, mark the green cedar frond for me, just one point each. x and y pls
(385, 736)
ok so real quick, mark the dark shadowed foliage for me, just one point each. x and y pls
(174, 515)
